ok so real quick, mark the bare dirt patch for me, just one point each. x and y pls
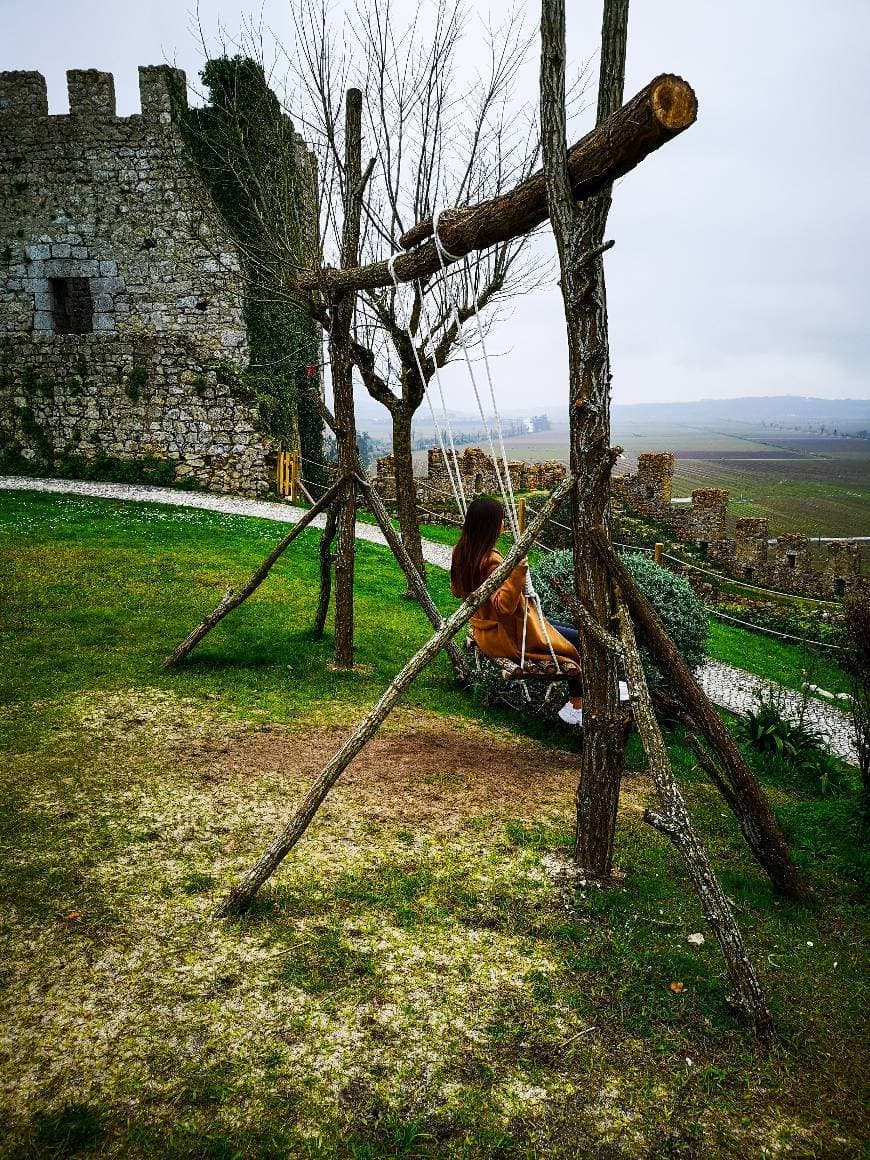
(410, 776)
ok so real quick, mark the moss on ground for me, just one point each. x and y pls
(420, 979)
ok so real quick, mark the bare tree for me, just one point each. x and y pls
(436, 144)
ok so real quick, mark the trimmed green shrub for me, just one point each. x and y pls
(672, 597)
(679, 607)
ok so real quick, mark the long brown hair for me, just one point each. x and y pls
(482, 527)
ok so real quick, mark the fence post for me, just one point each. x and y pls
(658, 554)
(280, 468)
(521, 513)
(295, 473)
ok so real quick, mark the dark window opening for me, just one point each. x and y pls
(748, 572)
(72, 305)
(791, 560)
(703, 546)
(478, 483)
(650, 493)
(839, 586)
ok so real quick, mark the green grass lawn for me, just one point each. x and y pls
(415, 981)
(783, 661)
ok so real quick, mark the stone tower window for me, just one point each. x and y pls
(72, 305)
(839, 586)
(791, 560)
(650, 492)
(703, 546)
(748, 572)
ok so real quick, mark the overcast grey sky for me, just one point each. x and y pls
(741, 259)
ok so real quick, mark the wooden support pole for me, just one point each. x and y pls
(578, 233)
(416, 581)
(521, 513)
(754, 815)
(658, 554)
(659, 112)
(341, 364)
(242, 895)
(675, 821)
(233, 599)
(327, 538)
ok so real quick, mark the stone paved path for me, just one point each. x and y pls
(738, 691)
(282, 513)
(729, 687)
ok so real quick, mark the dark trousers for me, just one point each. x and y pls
(570, 633)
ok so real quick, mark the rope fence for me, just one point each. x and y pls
(773, 632)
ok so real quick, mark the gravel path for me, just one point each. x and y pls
(729, 687)
(738, 691)
(281, 513)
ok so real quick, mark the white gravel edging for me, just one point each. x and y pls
(281, 513)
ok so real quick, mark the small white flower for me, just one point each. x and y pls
(809, 944)
(696, 940)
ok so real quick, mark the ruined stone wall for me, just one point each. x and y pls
(649, 491)
(745, 555)
(103, 205)
(477, 472)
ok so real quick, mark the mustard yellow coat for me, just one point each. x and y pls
(498, 624)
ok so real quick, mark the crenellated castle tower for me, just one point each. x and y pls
(122, 324)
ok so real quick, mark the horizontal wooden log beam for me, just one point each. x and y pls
(662, 110)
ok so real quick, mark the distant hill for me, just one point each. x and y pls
(782, 410)
(764, 409)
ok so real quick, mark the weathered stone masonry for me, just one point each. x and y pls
(477, 473)
(748, 554)
(121, 325)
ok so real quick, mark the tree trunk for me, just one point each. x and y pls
(604, 744)
(233, 599)
(327, 537)
(659, 112)
(676, 822)
(241, 896)
(406, 490)
(754, 815)
(341, 365)
(416, 582)
(579, 239)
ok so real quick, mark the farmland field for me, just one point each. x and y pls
(814, 484)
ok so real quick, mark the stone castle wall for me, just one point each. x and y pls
(748, 555)
(103, 206)
(477, 472)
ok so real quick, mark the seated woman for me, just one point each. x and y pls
(498, 624)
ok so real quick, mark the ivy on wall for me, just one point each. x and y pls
(242, 146)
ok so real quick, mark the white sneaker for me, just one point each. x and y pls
(570, 715)
(623, 691)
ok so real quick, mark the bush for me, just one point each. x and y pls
(672, 597)
(855, 642)
(680, 609)
(791, 751)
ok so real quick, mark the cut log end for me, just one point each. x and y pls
(674, 103)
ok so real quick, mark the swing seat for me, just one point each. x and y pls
(530, 671)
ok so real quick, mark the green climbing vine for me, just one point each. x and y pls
(242, 145)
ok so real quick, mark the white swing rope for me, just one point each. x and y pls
(506, 488)
(456, 484)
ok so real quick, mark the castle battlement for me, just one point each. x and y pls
(122, 325)
(24, 96)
